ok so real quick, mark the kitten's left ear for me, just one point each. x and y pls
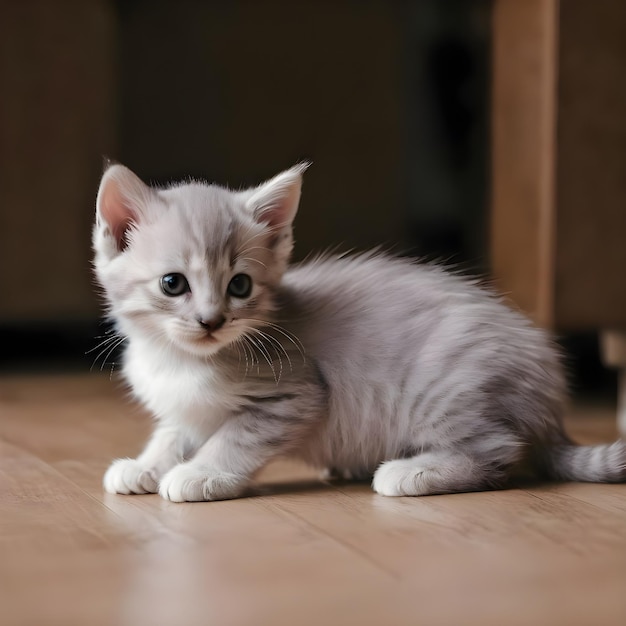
(275, 202)
(122, 202)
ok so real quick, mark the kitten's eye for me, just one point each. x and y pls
(240, 286)
(174, 284)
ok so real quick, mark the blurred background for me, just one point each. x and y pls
(462, 131)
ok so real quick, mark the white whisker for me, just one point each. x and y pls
(110, 352)
(108, 346)
(283, 331)
(246, 258)
(246, 348)
(275, 345)
(246, 250)
(236, 344)
(262, 233)
(251, 347)
(272, 343)
(266, 355)
(106, 340)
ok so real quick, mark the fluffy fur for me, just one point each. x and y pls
(366, 365)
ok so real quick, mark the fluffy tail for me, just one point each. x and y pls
(593, 464)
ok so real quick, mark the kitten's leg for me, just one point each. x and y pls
(439, 471)
(163, 451)
(223, 466)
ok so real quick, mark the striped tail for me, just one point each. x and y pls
(594, 464)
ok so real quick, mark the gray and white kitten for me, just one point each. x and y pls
(368, 365)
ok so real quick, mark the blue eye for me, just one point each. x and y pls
(174, 285)
(240, 286)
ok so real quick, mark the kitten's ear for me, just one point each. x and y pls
(121, 203)
(275, 202)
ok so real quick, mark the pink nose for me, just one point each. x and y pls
(213, 324)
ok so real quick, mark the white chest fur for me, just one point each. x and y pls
(177, 389)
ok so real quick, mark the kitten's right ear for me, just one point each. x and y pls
(121, 204)
(275, 202)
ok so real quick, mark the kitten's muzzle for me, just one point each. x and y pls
(211, 325)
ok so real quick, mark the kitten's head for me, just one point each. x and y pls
(193, 265)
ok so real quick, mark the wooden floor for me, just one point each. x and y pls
(298, 552)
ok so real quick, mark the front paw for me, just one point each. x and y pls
(191, 483)
(128, 476)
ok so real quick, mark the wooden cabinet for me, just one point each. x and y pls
(559, 164)
(57, 114)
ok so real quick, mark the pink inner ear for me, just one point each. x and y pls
(119, 232)
(275, 202)
(116, 213)
(274, 216)
(281, 209)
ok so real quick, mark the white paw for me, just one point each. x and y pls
(398, 478)
(128, 476)
(192, 483)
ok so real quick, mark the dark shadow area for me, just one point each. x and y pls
(60, 347)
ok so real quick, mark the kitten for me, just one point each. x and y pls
(369, 365)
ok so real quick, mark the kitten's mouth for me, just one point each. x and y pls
(211, 339)
(207, 338)
(204, 341)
